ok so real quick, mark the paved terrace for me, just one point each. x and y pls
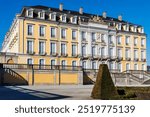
(46, 92)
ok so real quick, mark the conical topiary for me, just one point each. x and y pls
(104, 87)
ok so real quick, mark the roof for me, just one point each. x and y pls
(71, 12)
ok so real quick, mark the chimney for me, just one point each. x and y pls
(104, 14)
(120, 17)
(81, 10)
(61, 7)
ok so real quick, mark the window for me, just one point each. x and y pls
(30, 46)
(73, 34)
(83, 35)
(102, 38)
(127, 40)
(119, 39)
(143, 67)
(93, 51)
(41, 15)
(103, 51)
(74, 50)
(127, 53)
(93, 36)
(84, 64)
(30, 30)
(119, 53)
(142, 30)
(127, 27)
(63, 33)
(142, 42)
(83, 50)
(53, 32)
(135, 67)
(74, 64)
(41, 47)
(41, 63)
(53, 16)
(30, 13)
(119, 26)
(42, 31)
(135, 29)
(110, 39)
(53, 48)
(29, 61)
(111, 52)
(52, 64)
(63, 49)
(127, 66)
(74, 20)
(93, 65)
(135, 41)
(111, 66)
(142, 55)
(63, 18)
(119, 67)
(135, 54)
(63, 63)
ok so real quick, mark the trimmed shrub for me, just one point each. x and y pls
(104, 87)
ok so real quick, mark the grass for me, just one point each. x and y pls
(133, 93)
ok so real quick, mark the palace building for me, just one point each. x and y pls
(55, 36)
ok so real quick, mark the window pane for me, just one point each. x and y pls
(53, 48)
(52, 32)
(29, 61)
(30, 30)
(42, 30)
(29, 46)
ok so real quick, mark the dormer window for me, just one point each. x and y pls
(119, 26)
(30, 13)
(63, 18)
(127, 27)
(41, 15)
(53, 16)
(74, 19)
(142, 30)
(135, 29)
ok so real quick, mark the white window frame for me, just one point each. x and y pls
(27, 13)
(75, 49)
(126, 66)
(32, 49)
(51, 18)
(119, 40)
(51, 48)
(135, 41)
(65, 18)
(142, 42)
(74, 19)
(75, 35)
(44, 46)
(65, 48)
(51, 32)
(63, 37)
(44, 29)
(127, 40)
(41, 14)
(31, 60)
(28, 32)
(135, 66)
(84, 67)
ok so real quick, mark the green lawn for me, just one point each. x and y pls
(133, 93)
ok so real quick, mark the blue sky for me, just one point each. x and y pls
(135, 11)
